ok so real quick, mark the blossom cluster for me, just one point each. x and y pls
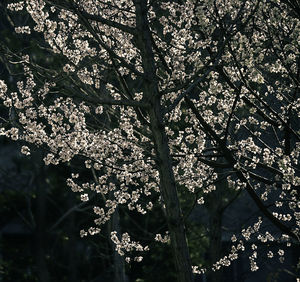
(227, 84)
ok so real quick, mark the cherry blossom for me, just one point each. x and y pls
(153, 95)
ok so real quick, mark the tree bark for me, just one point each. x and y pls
(214, 250)
(40, 234)
(167, 180)
(164, 161)
(170, 199)
(119, 265)
(71, 246)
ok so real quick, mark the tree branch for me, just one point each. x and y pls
(228, 155)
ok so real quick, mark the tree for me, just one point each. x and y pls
(156, 96)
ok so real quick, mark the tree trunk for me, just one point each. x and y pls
(215, 236)
(119, 266)
(40, 234)
(216, 205)
(170, 198)
(164, 161)
(71, 246)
